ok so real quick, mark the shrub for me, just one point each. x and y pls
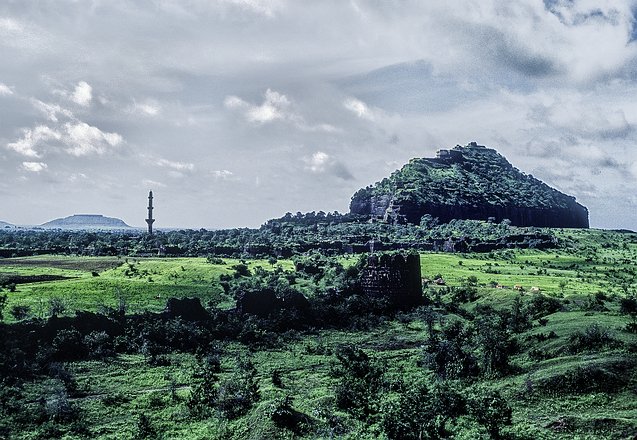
(592, 337)
(628, 306)
(490, 410)
(285, 416)
(598, 376)
(99, 345)
(68, 345)
(56, 306)
(144, 428)
(421, 413)
(542, 305)
(360, 379)
(20, 312)
(235, 396)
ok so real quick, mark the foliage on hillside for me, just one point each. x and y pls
(482, 176)
(551, 358)
(285, 236)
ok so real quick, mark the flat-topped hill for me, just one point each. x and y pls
(86, 221)
(471, 182)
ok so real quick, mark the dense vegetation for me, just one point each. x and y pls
(514, 343)
(289, 235)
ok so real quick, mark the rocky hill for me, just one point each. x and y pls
(471, 182)
(86, 221)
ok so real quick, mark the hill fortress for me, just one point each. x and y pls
(471, 182)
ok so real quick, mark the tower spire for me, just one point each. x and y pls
(150, 220)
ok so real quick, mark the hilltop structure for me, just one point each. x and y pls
(150, 220)
(471, 182)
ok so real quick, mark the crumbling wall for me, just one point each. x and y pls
(394, 277)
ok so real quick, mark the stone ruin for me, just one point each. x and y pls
(395, 277)
(264, 303)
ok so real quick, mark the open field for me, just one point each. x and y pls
(556, 388)
(143, 283)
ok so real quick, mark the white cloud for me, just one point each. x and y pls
(317, 162)
(51, 111)
(31, 138)
(223, 175)
(82, 139)
(5, 90)
(275, 106)
(322, 163)
(267, 8)
(153, 183)
(359, 108)
(177, 166)
(34, 167)
(146, 108)
(83, 94)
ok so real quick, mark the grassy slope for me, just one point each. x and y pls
(595, 261)
(144, 284)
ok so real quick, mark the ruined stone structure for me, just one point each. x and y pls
(265, 303)
(394, 277)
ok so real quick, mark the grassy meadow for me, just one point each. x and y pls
(588, 275)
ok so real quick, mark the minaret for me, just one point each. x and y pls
(150, 220)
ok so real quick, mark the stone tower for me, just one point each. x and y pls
(394, 277)
(150, 220)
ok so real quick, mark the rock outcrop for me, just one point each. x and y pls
(472, 182)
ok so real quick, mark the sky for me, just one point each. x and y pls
(237, 111)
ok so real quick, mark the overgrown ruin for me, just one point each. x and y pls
(395, 277)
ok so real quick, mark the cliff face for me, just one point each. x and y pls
(471, 182)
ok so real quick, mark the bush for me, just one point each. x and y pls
(68, 345)
(542, 305)
(235, 396)
(360, 379)
(421, 413)
(20, 312)
(598, 376)
(99, 345)
(628, 306)
(285, 416)
(592, 337)
(490, 410)
(144, 428)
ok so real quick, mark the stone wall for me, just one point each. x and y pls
(394, 277)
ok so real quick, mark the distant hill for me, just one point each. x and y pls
(471, 182)
(86, 221)
(6, 225)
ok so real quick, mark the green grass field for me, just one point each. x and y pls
(113, 394)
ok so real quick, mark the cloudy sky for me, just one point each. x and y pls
(236, 111)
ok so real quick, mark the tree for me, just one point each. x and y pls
(491, 410)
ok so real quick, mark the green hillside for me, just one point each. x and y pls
(471, 182)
